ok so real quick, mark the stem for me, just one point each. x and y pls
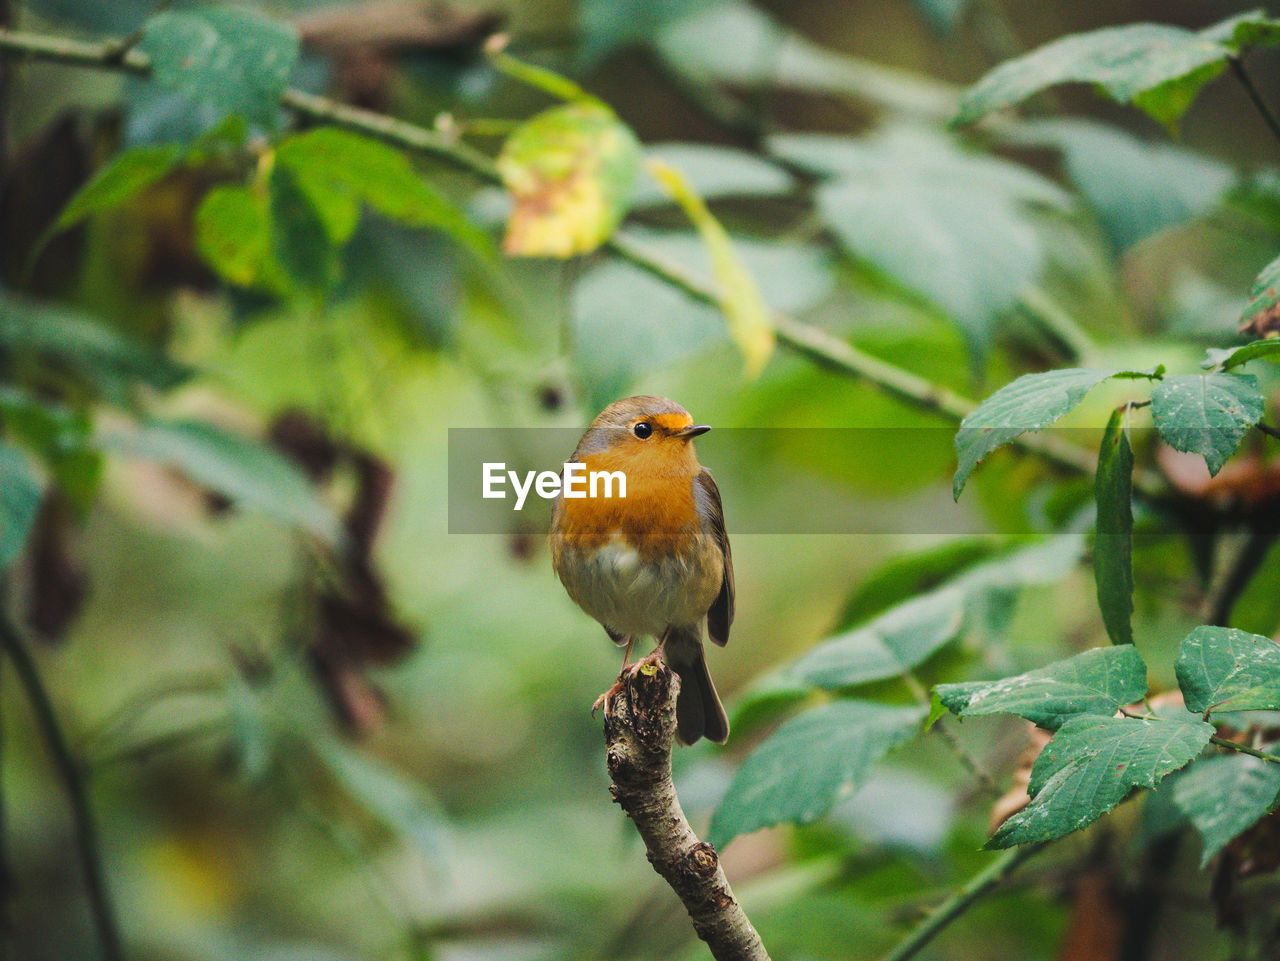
(639, 726)
(1267, 429)
(1244, 749)
(960, 902)
(68, 769)
(816, 344)
(1244, 565)
(1237, 67)
(967, 760)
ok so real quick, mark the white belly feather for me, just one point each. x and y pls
(620, 590)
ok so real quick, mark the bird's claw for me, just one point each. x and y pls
(604, 699)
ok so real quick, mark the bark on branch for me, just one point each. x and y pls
(638, 732)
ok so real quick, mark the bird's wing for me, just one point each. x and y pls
(720, 616)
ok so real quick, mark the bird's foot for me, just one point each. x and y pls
(603, 701)
(650, 664)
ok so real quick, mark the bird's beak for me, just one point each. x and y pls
(693, 430)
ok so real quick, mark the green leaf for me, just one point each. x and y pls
(234, 237)
(571, 170)
(896, 641)
(21, 490)
(101, 355)
(1091, 765)
(1157, 68)
(1099, 681)
(338, 171)
(951, 225)
(1230, 358)
(60, 436)
(299, 242)
(394, 799)
(1113, 540)
(1206, 414)
(744, 308)
(1136, 188)
(1222, 669)
(228, 59)
(1263, 295)
(252, 476)
(809, 763)
(1225, 795)
(126, 176)
(899, 578)
(1031, 402)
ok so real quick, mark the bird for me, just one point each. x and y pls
(655, 562)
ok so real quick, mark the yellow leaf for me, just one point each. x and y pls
(743, 306)
(570, 170)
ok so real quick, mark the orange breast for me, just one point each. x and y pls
(656, 517)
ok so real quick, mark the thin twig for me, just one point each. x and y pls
(1237, 576)
(1267, 429)
(967, 760)
(1244, 749)
(1237, 66)
(72, 777)
(960, 902)
(638, 732)
(816, 344)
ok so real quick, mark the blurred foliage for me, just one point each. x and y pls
(234, 332)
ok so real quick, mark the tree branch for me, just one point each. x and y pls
(960, 902)
(816, 344)
(1237, 67)
(68, 769)
(638, 731)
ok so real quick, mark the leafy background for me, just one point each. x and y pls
(315, 724)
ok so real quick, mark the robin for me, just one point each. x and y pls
(655, 561)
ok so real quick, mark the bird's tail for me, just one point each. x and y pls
(699, 712)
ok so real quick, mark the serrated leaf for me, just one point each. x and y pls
(21, 490)
(1113, 538)
(571, 170)
(1136, 188)
(101, 355)
(948, 224)
(1222, 669)
(1156, 67)
(809, 763)
(750, 325)
(896, 641)
(1206, 414)
(126, 176)
(1263, 296)
(1091, 765)
(1029, 403)
(1099, 681)
(1225, 359)
(252, 476)
(1225, 795)
(233, 235)
(227, 59)
(338, 171)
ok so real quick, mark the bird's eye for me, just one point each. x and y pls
(643, 429)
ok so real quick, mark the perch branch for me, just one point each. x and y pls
(69, 771)
(819, 346)
(638, 732)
